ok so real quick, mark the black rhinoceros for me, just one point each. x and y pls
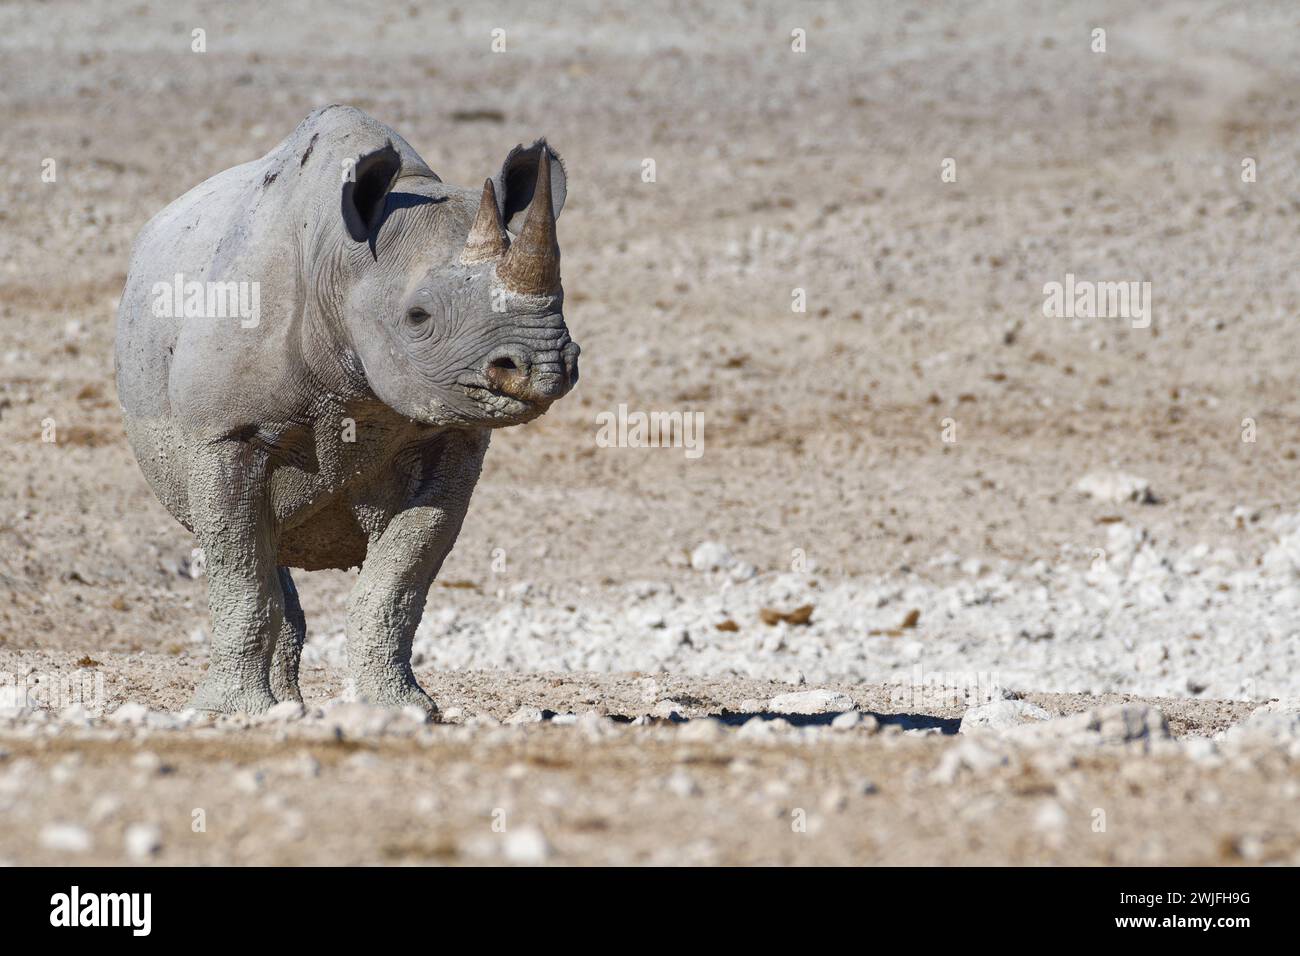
(343, 420)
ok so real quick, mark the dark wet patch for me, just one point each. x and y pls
(306, 153)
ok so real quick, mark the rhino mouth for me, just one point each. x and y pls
(500, 407)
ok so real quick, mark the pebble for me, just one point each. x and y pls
(682, 784)
(968, 755)
(702, 730)
(1115, 487)
(712, 556)
(760, 728)
(356, 720)
(595, 726)
(1001, 715)
(250, 780)
(415, 715)
(147, 761)
(303, 765)
(363, 761)
(668, 710)
(810, 702)
(834, 800)
(525, 715)
(527, 846)
(67, 769)
(142, 840)
(130, 714)
(104, 808)
(66, 838)
(75, 715)
(1050, 817)
(284, 712)
(1201, 750)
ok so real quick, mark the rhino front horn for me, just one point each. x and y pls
(532, 265)
(487, 237)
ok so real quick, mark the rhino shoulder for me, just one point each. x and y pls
(336, 134)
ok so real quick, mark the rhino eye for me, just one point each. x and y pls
(417, 315)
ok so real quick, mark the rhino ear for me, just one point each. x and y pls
(365, 191)
(517, 179)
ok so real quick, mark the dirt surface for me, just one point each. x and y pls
(579, 582)
(619, 785)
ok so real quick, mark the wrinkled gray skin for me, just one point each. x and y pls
(367, 317)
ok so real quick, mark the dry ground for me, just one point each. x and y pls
(606, 791)
(774, 171)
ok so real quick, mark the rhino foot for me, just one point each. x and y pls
(396, 694)
(223, 697)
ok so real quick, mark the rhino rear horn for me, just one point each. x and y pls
(532, 264)
(487, 239)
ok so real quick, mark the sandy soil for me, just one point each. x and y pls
(824, 435)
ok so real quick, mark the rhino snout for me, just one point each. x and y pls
(533, 375)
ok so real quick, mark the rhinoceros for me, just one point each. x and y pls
(343, 423)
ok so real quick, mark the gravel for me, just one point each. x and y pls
(1113, 724)
(1132, 617)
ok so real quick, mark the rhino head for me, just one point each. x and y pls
(454, 321)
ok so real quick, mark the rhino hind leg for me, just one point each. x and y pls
(401, 563)
(288, 643)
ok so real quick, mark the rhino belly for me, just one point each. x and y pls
(332, 539)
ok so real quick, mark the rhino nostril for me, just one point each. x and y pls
(508, 371)
(508, 363)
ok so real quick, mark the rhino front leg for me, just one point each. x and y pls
(288, 643)
(400, 565)
(232, 518)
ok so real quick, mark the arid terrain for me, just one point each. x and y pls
(1049, 564)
